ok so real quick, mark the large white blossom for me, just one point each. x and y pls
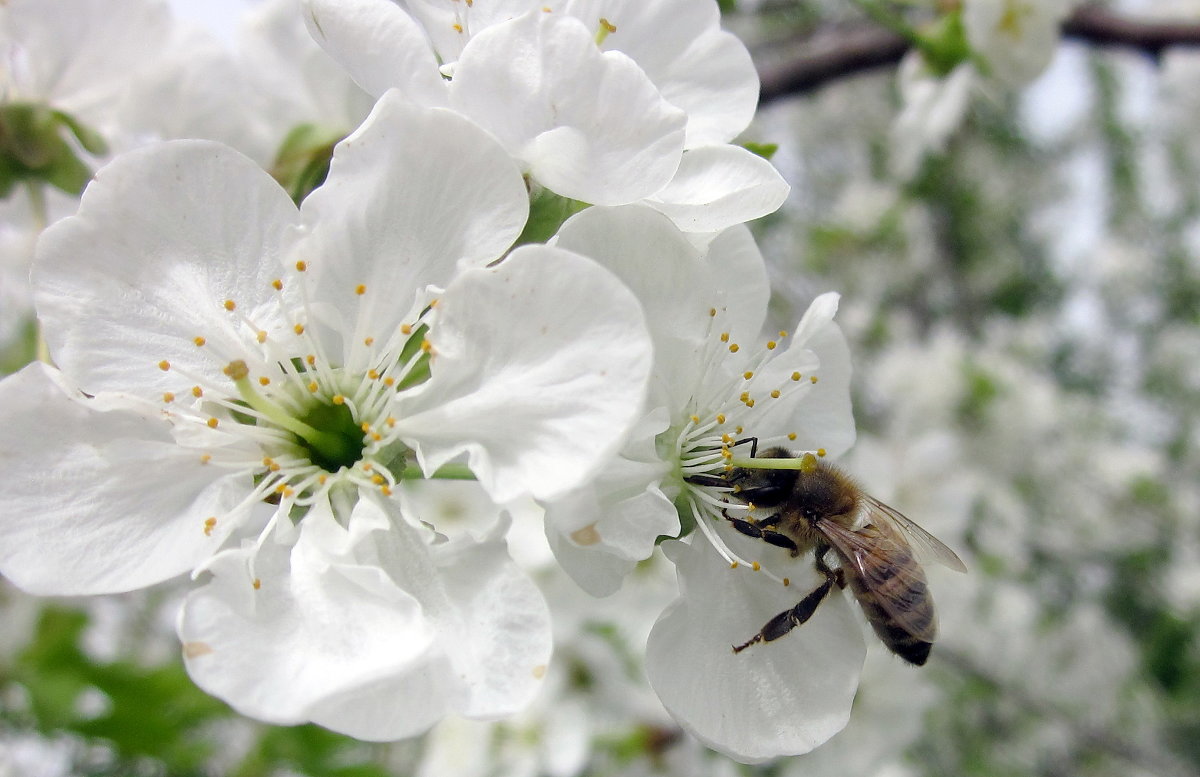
(710, 388)
(243, 384)
(607, 105)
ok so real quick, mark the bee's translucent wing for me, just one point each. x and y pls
(926, 548)
(888, 575)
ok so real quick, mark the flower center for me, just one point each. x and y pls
(341, 441)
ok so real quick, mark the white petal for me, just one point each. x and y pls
(733, 256)
(697, 66)
(380, 45)
(719, 186)
(98, 502)
(163, 237)
(588, 125)
(540, 368)
(368, 631)
(621, 533)
(313, 628)
(411, 196)
(784, 697)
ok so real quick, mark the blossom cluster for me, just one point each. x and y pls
(492, 246)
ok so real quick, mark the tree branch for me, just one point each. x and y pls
(848, 50)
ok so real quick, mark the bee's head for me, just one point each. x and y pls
(821, 491)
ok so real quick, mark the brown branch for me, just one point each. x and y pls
(849, 50)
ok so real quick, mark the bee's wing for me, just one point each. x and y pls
(872, 558)
(926, 548)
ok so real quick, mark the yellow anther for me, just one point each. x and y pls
(720, 418)
(376, 436)
(782, 333)
(385, 490)
(373, 374)
(748, 374)
(695, 419)
(813, 379)
(321, 479)
(301, 266)
(277, 284)
(775, 394)
(808, 463)
(433, 303)
(772, 345)
(744, 396)
(726, 454)
(338, 399)
(368, 341)
(820, 451)
(360, 289)
(733, 348)
(212, 423)
(739, 430)
(267, 461)
(366, 427)
(457, 27)
(378, 479)
(426, 346)
(298, 329)
(787, 581)
(310, 360)
(389, 381)
(264, 381)
(199, 341)
(312, 387)
(209, 525)
(724, 337)
(791, 435)
(607, 25)
(282, 487)
(391, 421)
(230, 304)
(733, 565)
(205, 458)
(261, 335)
(726, 438)
(756, 566)
(164, 365)
(546, 9)
(197, 392)
(367, 466)
(749, 403)
(406, 329)
(257, 584)
(796, 376)
(712, 312)
(168, 396)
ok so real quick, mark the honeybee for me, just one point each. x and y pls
(817, 508)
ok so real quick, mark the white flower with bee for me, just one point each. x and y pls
(244, 385)
(745, 576)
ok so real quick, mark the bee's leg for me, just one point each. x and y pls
(759, 530)
(836, 575)
(707, 480)
(753, 445)
(789, 619)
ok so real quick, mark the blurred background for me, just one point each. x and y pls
(1022, 299)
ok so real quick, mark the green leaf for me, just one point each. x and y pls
(302, 162)
(764, 150)
(547, 212)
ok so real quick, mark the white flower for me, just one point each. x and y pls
(596, 107)
(257, 381)
(933, 110)
(1016, 38)
(711, 388)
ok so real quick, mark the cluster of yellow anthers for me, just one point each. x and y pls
(314, 423)
(706, 442)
